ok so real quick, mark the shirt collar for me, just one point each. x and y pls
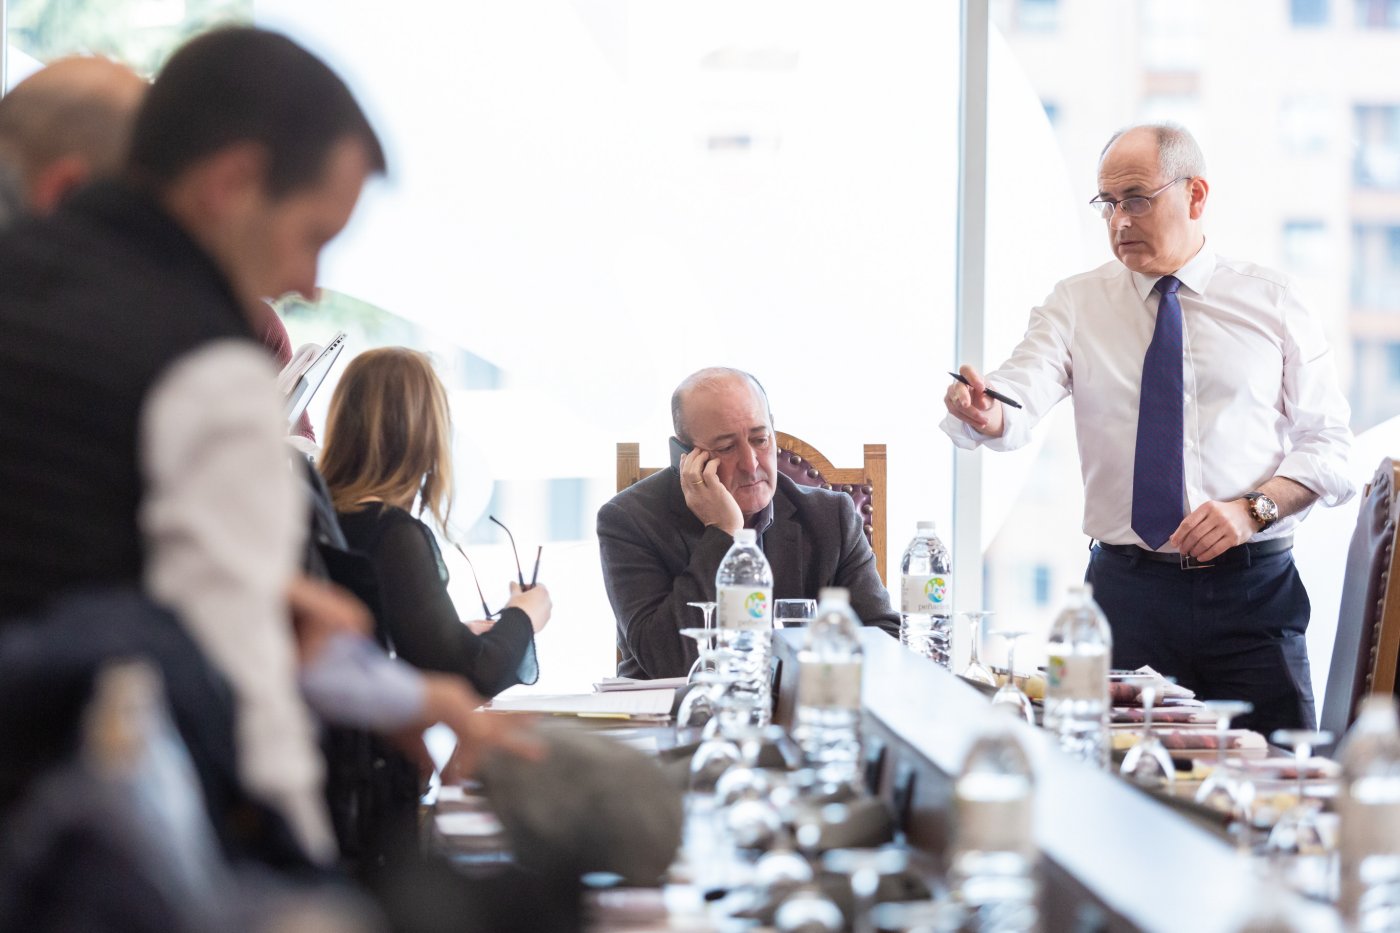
(762, 520)
(1193, 276)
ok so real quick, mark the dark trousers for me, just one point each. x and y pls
(1234, 631)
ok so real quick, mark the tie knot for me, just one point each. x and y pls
(1168, 284)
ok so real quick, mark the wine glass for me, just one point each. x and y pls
(1010, 693)
(1147, 763)
(708, 608)
(936, 916)
(976, 671)
(714, 756)
(865, 866)
(701, 700)
(794, 613)
(1296, 832)
(808, 910)
(1223, 790)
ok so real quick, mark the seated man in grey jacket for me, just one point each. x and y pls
(662, 540)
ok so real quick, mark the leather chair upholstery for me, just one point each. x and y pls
(806, 466)
(1367, 645)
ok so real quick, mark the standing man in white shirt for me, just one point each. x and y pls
(1209, 421)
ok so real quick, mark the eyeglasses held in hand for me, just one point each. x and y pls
(520, 573)
(1135, 206)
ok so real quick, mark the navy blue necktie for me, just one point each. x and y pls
(1159, 486)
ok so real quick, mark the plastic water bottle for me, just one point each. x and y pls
(744, 597)
(1076, 689)
(1369, 807)
(993, 869)
(926, 596)
(828, 691)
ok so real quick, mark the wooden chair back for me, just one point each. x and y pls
(806, 466)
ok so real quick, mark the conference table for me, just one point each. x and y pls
(1113, 857)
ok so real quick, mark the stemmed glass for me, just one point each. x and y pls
(976, 671)
(1224, 790)
(936, 916)
(708, 608)
(1296, 832)
(865, 866)
(701, 700)
(1147, 763)
(1010, 693)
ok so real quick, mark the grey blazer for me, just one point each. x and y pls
(657, 556)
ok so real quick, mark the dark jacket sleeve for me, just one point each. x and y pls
(857, 572)
(423, 622)
(648, 598)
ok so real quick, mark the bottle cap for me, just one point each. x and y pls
(746, 536)
(834, 594)
(926, 526)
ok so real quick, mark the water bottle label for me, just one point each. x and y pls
(1366, 830)
(1081, 677)
(829, 685)
(995, 825)
(745, 608)
(927, 595)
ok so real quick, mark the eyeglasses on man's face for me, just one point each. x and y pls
(1135, 206)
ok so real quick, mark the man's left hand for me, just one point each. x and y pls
(1213, 529)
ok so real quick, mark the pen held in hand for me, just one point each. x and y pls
(1005, 400)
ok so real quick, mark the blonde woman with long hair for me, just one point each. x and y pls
(387, 460)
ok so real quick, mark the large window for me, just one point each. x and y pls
(616, 195)
(1377, 162)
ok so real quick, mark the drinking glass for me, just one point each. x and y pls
(708, 608)
(794, 613)
(1147, 763)
(1010, 693)
(1296, 832)
(976, 671)
(1224, 790)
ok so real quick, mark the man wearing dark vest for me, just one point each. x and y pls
(139, 424)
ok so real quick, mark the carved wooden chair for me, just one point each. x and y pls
(1367, 645)
(806, 466)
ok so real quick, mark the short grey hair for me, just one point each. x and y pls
(1178, 154)
(708, 377)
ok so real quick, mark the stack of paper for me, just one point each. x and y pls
(613, 684)
(635, 705)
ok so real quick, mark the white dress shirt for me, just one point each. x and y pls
(1261, 391)
(224, 525)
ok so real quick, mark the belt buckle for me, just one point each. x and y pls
(1188, 562)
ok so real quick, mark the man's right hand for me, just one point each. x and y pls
(705, 495)
(971, 404)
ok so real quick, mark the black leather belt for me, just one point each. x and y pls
(1235, 555)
